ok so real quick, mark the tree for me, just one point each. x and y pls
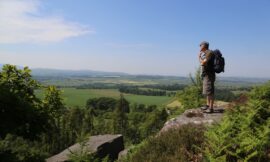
(54, 106)
(120, 120)
(153, 122)
(20, 109)
(191, 96)
(197, 79)
(88, 121)
(75, 120)
(19, 82)
(101, 105)
(53, 102)
(17, 149)
(22, 119)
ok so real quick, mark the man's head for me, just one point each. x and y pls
(204, 46)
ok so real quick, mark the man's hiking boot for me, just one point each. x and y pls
(209, 111)
(205, 107)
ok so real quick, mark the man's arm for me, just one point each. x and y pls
(202, 61)
(207, 58)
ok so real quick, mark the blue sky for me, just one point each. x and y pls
(135, 36)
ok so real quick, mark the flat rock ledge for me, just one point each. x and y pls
(194, 116)
(101, 145)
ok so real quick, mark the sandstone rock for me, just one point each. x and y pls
(101, 145)
(195, 116)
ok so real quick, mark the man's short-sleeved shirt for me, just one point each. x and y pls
(208, 67)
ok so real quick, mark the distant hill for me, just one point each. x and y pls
(73, 73)
(58, 73)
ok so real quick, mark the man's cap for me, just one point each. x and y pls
(204, 43)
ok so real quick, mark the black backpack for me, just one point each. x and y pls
(218, 61)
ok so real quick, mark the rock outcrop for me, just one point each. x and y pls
(100, 145)
(195, 116)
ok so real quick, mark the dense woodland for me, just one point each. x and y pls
(146, 92)
(33, 129)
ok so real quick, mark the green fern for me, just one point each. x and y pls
(244, 133)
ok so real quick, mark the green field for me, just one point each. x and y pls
(78, 97)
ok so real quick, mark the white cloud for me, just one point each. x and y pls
(22, 21)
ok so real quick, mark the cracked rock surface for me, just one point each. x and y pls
(194, 116)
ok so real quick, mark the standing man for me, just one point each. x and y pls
(208, 75)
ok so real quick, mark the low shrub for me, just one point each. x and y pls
(176, 145)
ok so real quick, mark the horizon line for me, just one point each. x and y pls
(134, 74)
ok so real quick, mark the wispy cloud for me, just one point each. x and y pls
(22, 21)
(129, 45)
